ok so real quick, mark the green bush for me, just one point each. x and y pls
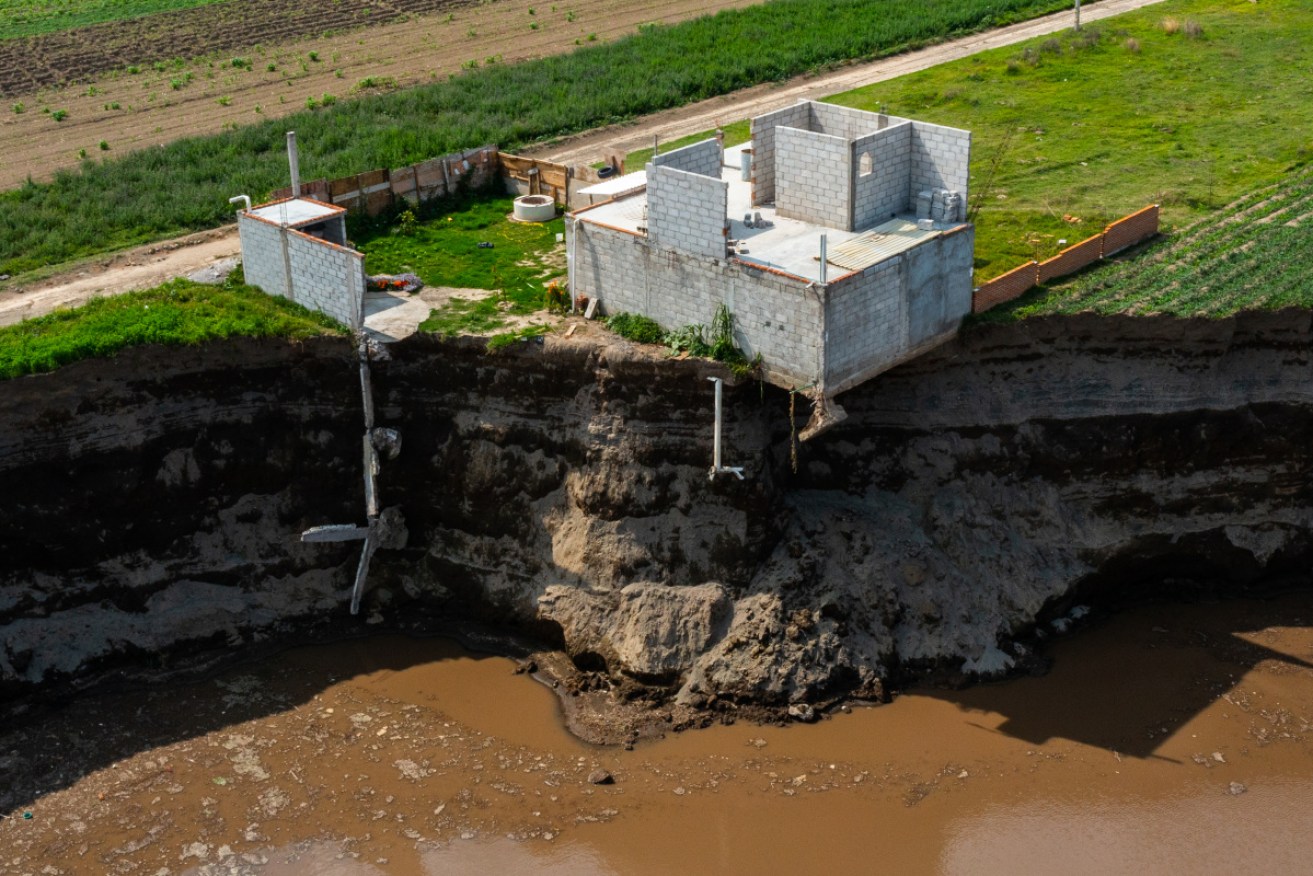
(636, 328)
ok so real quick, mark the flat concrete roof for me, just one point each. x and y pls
(785, 244)
(616, 185)
(296, 212)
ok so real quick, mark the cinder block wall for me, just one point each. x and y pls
(327, 277)
(262, 255)
(941, 159)
(324, 276)
(865, 320)
(812, 177)
(897, 309)
(686, 211)
(775, 316)
(842, 121)
(763, 147)
(884, 190)
(704, 158)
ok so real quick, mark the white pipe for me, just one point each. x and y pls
(246, 202)
(294, 160)
(716, 467)
(823, 271)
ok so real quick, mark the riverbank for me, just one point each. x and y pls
(974, 501)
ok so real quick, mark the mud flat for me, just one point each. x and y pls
(1170, 738)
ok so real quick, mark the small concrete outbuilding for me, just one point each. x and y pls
(836, 237)
(296, 248)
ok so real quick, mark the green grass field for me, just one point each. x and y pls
(1256, 253)
(445, 251)
(177, 313)
(185, 185)
(20, 18)
(1095, 125)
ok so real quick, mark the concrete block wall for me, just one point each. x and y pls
(323, 276)
(884, 190)
(896, 309)
(865, 320)
(842, 121)
(704, 158)
(763, 147)
(941, 159)
(262, 255)
(775, 315)
(813, 174)
(327, 277)
(687, 211)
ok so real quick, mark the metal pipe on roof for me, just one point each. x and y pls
(294, 162)
(821, 279)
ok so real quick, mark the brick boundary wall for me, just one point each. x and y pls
(1117, 236)
(1140, 225)
(1071, 259)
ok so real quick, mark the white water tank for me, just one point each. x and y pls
(534, 208)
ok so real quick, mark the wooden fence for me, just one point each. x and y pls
(377, 191)
(1127, 231)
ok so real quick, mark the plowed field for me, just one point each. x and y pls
(177, 98)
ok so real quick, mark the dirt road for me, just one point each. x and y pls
(707, 114)
(156, 263)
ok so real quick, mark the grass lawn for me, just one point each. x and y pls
(179, 312)
(445, 251)
(1091, 126)
(1257, 253)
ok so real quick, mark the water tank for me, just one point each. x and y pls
(534, 208)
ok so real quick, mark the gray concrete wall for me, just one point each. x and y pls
(884, 191)
(763, 147)
(262, 255)
(775, 316)
(865, 320)
(324, 276)
(897, 309)
(813, 174)
(842, 121)
(687, 211)
(941, 159)
(327, 277)
(703, 158)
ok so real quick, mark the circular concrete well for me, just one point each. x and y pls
(534, 208)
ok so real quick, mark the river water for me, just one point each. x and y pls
(1166, 739)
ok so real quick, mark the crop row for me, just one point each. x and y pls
(72, 55)
(184, 186)
(1256, 253)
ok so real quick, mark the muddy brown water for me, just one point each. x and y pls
(1166, 739)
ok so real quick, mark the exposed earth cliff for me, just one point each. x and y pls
(559, 490)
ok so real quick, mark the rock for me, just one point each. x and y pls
(600, 777)
(526, 667)
(802, 712)
(1235, 789)
(1217, 756)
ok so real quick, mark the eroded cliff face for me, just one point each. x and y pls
(560, 490)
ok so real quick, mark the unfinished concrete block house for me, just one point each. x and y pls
(836, 237)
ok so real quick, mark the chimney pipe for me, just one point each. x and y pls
(295, 163)
(823, 268)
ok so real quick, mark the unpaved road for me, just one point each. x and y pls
(706, 115)
(150, 265)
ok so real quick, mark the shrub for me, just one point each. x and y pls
(104, 145)
(640, 329)
(1132, 45)
(1171, 26)
(59, 115)
(1193, 29)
